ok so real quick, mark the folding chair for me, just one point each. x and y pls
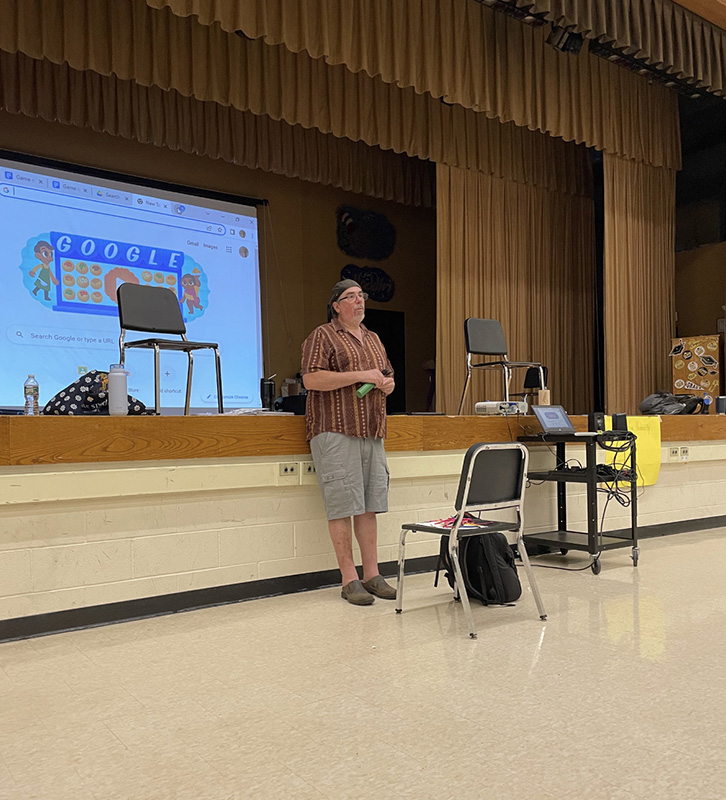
(493, 477)
(156, 309)
(485, 337)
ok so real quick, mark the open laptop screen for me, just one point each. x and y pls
(553, 419)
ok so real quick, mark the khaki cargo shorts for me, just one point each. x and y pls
(352, 473)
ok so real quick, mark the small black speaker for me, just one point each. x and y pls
(596, 421)
(620, 422)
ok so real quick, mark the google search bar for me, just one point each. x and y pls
(60, 337)
(109, 209)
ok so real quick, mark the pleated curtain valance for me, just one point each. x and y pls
(466, 54)
(661, 32)
(158, 49)
(55, 92)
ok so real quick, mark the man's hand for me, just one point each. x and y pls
(388, 386)
(374, 376)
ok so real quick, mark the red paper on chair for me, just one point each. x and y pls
(449, 522)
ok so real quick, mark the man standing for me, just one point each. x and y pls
(346, 435)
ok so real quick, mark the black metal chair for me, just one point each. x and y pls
(485, 337)
(156, 309)
(493, 478)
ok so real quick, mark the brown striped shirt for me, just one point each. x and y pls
(331, 347)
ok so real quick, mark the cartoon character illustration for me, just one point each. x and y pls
(44, 253)
(191, 284)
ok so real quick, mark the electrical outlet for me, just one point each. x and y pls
(307, 473)
(289, 468)
(674, 453)
(684, 454)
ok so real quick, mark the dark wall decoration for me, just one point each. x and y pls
(365, 234)
(378, 283)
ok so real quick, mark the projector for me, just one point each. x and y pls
(500, 407)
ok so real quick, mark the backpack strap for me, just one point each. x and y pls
(439, 562)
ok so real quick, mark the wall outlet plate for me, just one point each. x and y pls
(307, 472)
(674, 453)
(684, 453)
(289, 468)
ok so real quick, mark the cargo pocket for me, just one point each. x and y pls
(334, 486)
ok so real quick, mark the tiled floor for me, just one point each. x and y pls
(621, 694)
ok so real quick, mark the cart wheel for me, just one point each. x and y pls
(596, 566)
(564, 551)
(636, 553)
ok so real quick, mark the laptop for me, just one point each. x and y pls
(554, 419)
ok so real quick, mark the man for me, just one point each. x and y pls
(346, 435)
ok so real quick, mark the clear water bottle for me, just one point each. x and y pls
(118, 404)
(31, 390)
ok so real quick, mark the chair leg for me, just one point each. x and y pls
(530, 576)
(157, 389)
(507, 377)
(401, 560)
(220, 396)
(466, 388)
(190, 369)
(460, 585)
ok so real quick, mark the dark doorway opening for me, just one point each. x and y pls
(391, 327)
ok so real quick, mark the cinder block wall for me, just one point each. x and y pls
(82, 536)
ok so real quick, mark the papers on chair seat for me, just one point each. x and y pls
(468, 522)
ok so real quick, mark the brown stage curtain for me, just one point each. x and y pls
(167, 52)
(465, 53)
(659, 31)
(524, 256)
(639, 281)
(167, 119)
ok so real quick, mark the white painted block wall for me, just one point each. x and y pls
(87, 535)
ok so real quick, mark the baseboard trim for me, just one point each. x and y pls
(685, 526)
(143, 608)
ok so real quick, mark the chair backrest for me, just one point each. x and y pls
(532, 379)
(484, 337)
(492, 475)
(154, 309)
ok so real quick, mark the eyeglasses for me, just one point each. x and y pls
(355, 296)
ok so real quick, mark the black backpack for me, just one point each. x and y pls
(667, 403)
(487, 564)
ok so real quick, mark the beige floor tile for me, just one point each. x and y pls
(620, 695)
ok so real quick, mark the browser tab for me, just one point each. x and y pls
(145, 203)
(113, 196)
(28, 179)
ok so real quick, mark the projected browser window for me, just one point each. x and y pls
(68, 241)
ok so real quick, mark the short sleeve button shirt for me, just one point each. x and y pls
(332, 348)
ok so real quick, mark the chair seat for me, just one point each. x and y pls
(172, 344)
(491, 527)
(508, 364)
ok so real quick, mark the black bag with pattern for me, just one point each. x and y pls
(88, 395)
